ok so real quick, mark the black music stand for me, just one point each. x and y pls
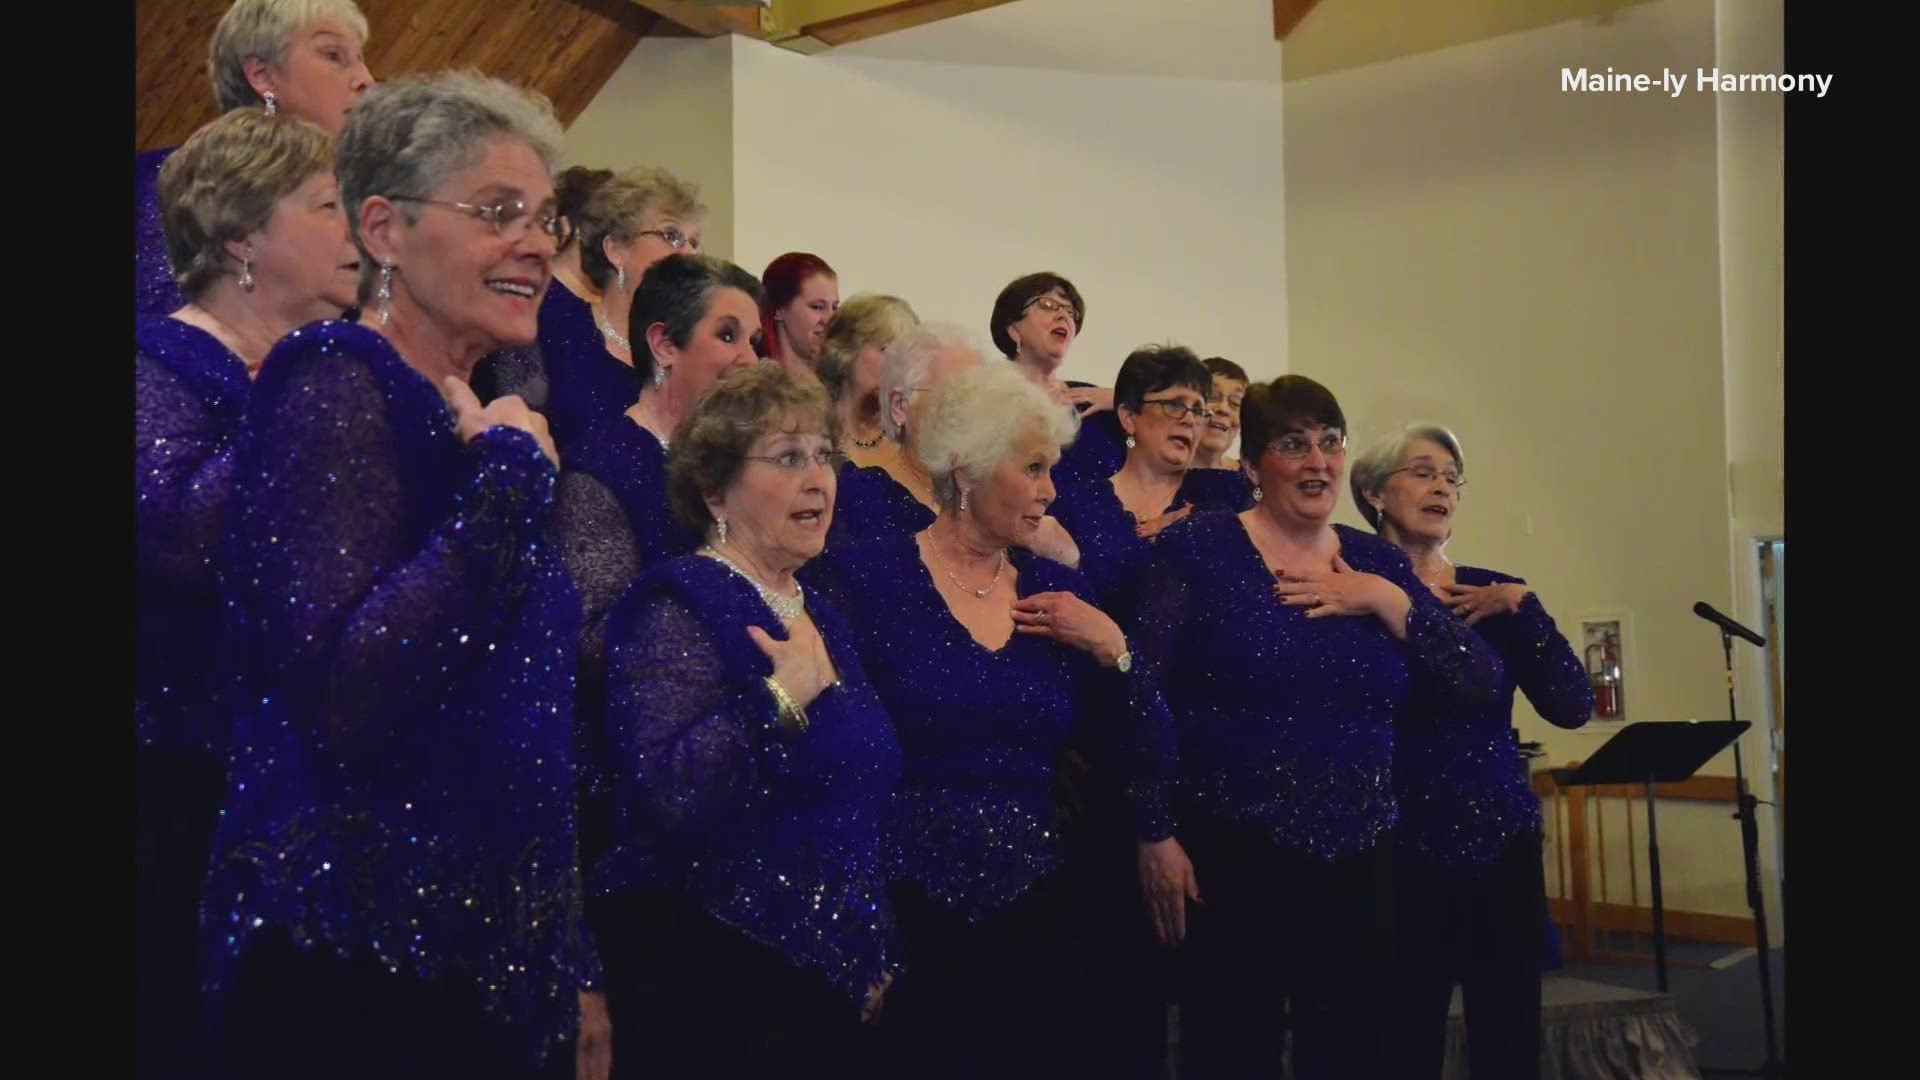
(1652, 753)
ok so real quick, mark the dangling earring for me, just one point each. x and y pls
(272, 103)
(1257, 493)
(963, 498)
(246, 271)
(385, 293)
(620, 277)
(720, 529)
(659, 374)
(1129, 442)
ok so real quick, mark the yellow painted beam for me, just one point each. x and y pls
(812, 26)
(1342, 34)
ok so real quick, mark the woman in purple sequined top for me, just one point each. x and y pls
(299, 58)
(261, 245)
(589, 366)
(1289, 649)
(394, 888)
(990, 660)
(1470, 886)
(753, 766)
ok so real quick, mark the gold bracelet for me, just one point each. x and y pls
(790, 711)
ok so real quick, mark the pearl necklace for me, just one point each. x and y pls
(788, 608)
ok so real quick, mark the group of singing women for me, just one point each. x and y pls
(564, 653)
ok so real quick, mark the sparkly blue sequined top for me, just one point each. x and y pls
(871, 505)
(402, 778)
(613, 523)
(1277, 720)
(1112, 552)
(188, 395)
(774, 832)
(570, 377)
(1462, 791)
(154, 290)
(983, 731)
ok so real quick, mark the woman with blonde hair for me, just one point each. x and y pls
(297, 58)
(259, 244)
(848, 365)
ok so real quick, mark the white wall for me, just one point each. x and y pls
(1159, 198)
(670, 105)
(1542, 272)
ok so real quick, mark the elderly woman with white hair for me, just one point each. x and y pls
(990, 660)
(1471, 894)
(586, 371)
(848, 363)
(299, 58)
(257, 237)
(394, 888)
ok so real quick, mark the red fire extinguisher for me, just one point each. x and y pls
(1603, 669)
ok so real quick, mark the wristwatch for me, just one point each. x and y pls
(1124, 662)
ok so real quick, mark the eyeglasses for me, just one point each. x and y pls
(510, 218)
(1180, 410)
(1427, 474)
(671, 237)
(1298, 446)
(1054, 307)
(796, 461)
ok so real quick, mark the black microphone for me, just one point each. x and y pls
(1706, 612)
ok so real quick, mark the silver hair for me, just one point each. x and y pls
(973, 419)
(1368, 473)
(406, 137)
(264, 30)
(908, 362)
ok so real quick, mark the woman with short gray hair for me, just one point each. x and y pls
(254, 225)
(990, 660)
(394, 875)
(1471, 896)
(299, 58)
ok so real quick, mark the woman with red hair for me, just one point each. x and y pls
(803, 292)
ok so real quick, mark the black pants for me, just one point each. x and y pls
(1479, 927)
(1000, 998)
(293, 1014)
(1129, 975)
(691, 998)
(1275, 924)
(177, 804)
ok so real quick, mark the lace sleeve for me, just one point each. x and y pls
(182, 475)
(598, 547)
(696, 737)
(324, 555)
(1155, 627)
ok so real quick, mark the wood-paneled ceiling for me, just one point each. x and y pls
(566, 49)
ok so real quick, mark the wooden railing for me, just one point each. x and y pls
(1585, 907)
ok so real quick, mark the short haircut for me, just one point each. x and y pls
(711, 445)
(406, 137)
(973, 419)
(264, 30)
(615, 210)
(1011, 306)
(223, 184)
(1225, 368)
(571, 190)
(1368, 473)
(676, 292)
(1291, 401)
(908, 362)
(1153, 368)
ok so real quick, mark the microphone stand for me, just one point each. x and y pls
(1773, 1068)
